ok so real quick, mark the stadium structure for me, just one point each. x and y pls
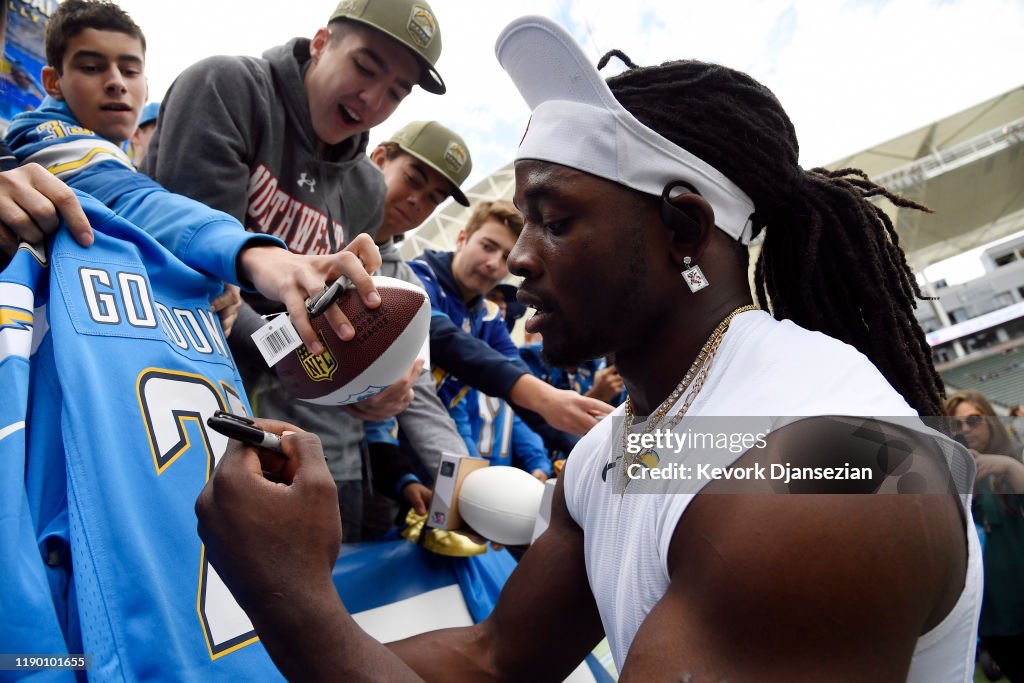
(969, 169)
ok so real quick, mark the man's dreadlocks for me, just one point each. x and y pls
(831, 260)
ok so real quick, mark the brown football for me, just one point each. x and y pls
(388, 339)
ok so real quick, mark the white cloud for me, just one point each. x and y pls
(850, 74)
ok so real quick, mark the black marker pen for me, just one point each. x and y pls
(243, 429)
(318, 303)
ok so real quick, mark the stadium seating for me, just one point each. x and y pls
(1000, 377)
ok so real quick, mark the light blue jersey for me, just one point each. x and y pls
(112, 361)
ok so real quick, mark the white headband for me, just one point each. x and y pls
(577, 122)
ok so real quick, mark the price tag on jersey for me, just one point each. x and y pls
(276, 339)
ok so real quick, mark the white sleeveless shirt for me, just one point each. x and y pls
(763, 367)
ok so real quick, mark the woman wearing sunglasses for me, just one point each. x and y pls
(999, 509)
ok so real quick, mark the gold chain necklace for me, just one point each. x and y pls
(696, 374)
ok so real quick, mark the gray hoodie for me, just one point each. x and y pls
(235, 133)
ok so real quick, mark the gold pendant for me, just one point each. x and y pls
(650, 459)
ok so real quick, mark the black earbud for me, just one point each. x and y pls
(685, 228)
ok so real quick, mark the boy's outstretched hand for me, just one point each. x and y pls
(291, 278)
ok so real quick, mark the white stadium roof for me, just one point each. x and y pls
(968, 168)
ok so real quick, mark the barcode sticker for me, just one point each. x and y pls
(276, 339)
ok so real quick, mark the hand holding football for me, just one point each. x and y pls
(387, 340)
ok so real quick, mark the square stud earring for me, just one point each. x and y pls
(694, 276)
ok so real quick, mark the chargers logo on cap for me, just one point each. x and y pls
(455, 156)
(321, 367)
(422, 25)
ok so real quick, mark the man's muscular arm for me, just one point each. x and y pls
(543, 625)
(802, 587)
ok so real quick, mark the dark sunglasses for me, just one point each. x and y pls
(969, 421)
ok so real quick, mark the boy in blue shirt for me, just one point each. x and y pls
(457, 282)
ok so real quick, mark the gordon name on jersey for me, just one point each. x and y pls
(117, 300)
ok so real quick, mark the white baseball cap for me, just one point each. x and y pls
(578, 123)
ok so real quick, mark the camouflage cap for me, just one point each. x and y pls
(440, 148)
(410, 22)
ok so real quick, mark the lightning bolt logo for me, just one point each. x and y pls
(15, 318)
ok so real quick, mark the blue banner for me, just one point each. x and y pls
(21, 85)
